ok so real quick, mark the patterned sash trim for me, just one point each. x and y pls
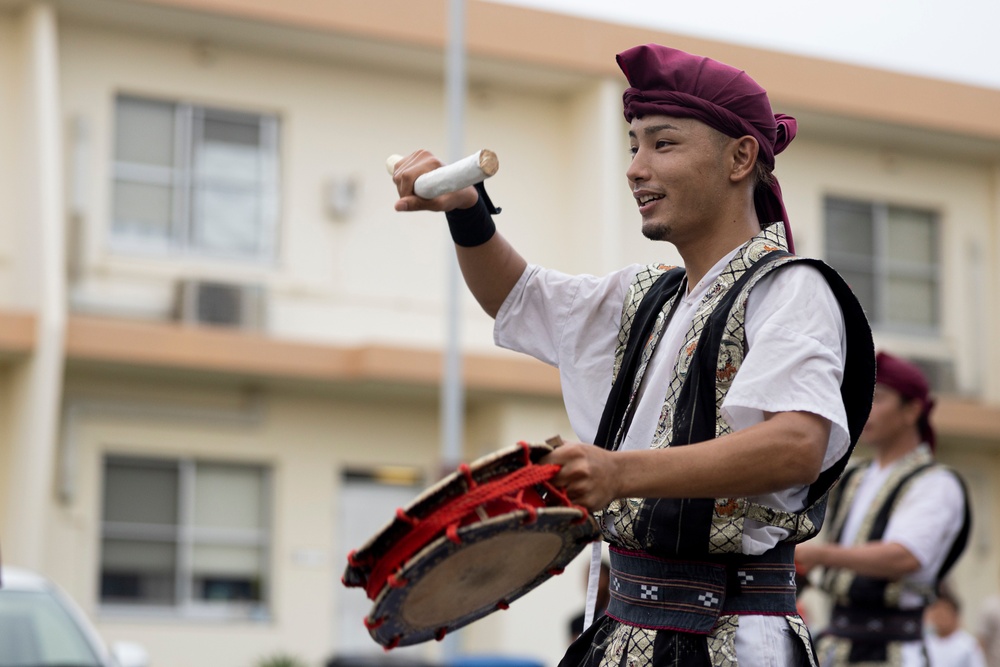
(877, 625)
(688, 596)
(662, 595)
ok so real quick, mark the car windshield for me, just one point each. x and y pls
(36, 631)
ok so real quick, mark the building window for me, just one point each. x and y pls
(889, 256)
(184, 534)
(194, 179)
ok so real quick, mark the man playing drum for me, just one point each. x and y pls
(738, 385)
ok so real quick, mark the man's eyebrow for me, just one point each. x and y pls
(653, 129)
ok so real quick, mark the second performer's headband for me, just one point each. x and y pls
(670, 82)
(906, 378)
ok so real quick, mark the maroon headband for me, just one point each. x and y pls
(907, 379)
(669, 82)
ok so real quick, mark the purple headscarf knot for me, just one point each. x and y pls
(787, 127)
(670, 82)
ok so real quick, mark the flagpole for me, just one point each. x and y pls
(452, 390)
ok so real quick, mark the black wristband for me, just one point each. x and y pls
(473, 226)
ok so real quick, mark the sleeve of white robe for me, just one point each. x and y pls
(796, 351)
(570, 322)
(796, 354)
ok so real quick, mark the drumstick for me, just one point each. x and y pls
(470, 170)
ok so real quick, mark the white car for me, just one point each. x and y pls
(40, 626)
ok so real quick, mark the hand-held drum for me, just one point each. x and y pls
(471, 544)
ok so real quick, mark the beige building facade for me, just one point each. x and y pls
(221, 350)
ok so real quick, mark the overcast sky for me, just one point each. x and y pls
(957, 40)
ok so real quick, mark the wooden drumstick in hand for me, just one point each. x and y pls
(470, 170)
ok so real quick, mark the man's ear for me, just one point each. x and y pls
(744, 156)
(912, 409)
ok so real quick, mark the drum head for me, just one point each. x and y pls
(449, 585)
(490, 467)
(501, 548)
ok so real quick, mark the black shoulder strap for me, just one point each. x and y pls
(696, 413)
(642, 325)
(858, 384)
(962, 539)
(882, 518)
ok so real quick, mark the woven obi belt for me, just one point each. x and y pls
(689, 596)
(876, 624)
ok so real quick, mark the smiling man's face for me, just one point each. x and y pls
(678, 176)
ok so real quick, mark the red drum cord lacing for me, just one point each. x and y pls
(449, 518)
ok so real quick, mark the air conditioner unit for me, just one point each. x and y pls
(220, 304)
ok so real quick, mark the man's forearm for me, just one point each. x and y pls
(491, 270)
(884, 560)
(785, 451)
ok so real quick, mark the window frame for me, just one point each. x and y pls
(186, 537)
(188, 120)
(882, 269)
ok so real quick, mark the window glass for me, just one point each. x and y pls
(143, 211)
(228, 220)
(911, 236)
(911, 301)
(849, 228)
(144, 132)
(230, 150)
(138, 571)
(140, 492)
(221, 560)
(228, 496)
(181, 533)
(194, 179)
(224, 572)
(888, 255)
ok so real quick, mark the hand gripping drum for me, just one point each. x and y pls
(471, 544)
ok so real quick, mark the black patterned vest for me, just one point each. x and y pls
(867, 623)
(677, 571)
(709, 360)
